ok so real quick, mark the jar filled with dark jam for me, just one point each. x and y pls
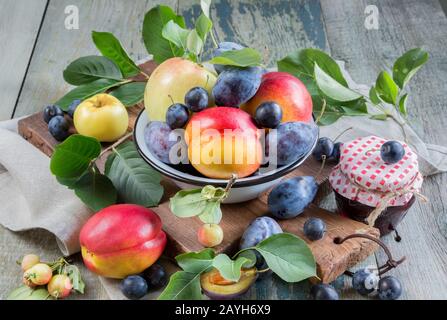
(365, 185)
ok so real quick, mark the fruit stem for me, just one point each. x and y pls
(263, 270)
(342, 133)
(115, 144)
(213, 38)
(144, 74)
(230, 182)
(323, 108)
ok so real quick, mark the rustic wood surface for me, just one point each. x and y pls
(335, 26)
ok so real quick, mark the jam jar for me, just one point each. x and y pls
(371, 191)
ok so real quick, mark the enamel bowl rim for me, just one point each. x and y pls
(178, 175)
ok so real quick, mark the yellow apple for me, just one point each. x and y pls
(170, 82)
(103, 117)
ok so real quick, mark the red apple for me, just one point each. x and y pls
(122, 240)
(288, 92)
(223, 141)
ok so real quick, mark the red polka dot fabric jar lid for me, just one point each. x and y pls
(363, 176)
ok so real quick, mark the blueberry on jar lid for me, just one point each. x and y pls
(392, 152)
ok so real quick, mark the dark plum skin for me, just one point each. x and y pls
(289, 198)
(51, 111)
(335, 156)
(58, 127)
(293, 140)
(197, 99)
(155, 276)
(314, 229)
(72, 107)
(259, 229)
(390, 288)
(323, 292)
(156, 136)
(177, 116)
(223, 47)
(324, 147)
(236, 86)
(364, 281)
(134, 287)
(392, 152)
(268, 115)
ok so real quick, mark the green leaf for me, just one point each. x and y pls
(386, 88)
(381, 117)
(96, 191)
(407, 65)
(72, 157)
(205, 5)
(176, 34)
(26, 293)
(373, 96)
(301, 64)
(130, 93)
(196, 262)
(110, 47)
(75, 277)
(154, 21)
(86, 91)
(403, 104)
(250, 256)
(203, 26)
(187, 203)
(182, 286)
(229, 269)
(288, 256)
(329, 115)
(135, 181)
(355, 108)
(211, 213)
(88, 69)
(332, 88)
(194, 43)
(240, 58)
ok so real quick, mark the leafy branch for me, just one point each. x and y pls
(332, 96)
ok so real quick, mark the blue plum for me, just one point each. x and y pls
(177, 116)
(197, 99)
(268, 115)
(259, 229)
(323, 291)
(156, 136)
(392, 152)
(293, 140)
(365, 281)
(314, 229)
(289, 198)
(223, 47)
(58, 127)
(390, 288)
(51, 111)
(155, 276)
(236, 86)
(324, 148)
(134, 287)
(335, 156)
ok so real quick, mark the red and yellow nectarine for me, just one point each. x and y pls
(122, 240)
(288, 92)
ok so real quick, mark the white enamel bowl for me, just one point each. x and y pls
(244, 189)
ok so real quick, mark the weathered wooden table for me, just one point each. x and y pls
(36, 46)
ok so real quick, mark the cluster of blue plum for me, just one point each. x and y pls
(58, 125)
(137, 286)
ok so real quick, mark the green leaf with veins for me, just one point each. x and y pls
(288, 256)
(72, 158)
(203, 26)
(195, 262)
(333, 89)
(175, 34)
(373, 96)
(229, 269)
(205, 5)
(86, 91)
(211, 213)
(130, 93)
(246, 57)
(136, 182)
(183, 286)
(88, 69)
(75, 277)
(380, 117)
(110, 47)
(386, 88)
(407, 65)
(194, 43)
(403, 104)
(154, 21)
(96, 191)
(27, 293)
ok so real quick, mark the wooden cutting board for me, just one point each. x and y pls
(332, 259)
